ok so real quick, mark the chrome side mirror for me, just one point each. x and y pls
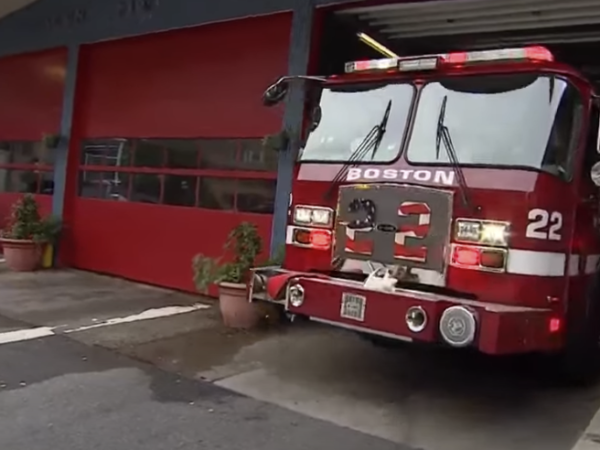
(598, 139)
(275, 93)
(595, 174)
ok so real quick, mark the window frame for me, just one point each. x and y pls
(38, 169)
(235, 174)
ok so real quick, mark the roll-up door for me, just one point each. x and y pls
(167, 147)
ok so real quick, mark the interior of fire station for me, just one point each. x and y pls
(568, 29)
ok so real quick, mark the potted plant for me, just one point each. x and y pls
(51, 140)
(26, 234)
(241, 250)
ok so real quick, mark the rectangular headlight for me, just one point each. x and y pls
(485, 232)
(302, 215)
(313, 215)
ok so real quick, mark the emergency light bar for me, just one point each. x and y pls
(432, 62)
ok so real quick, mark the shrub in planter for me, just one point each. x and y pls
(26, 234)
(241, 249)
(51, 140)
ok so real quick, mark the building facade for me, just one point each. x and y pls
(157, 108)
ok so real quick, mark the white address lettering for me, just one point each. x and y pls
(424, 176)
(544, 225)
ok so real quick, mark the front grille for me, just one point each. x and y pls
(393, 224)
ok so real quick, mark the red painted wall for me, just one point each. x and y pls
(31, 96)
(204, 81)
(152, 244)
(201, 82)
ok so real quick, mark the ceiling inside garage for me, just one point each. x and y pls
(9, 6)
(522, 21)
(445, 25)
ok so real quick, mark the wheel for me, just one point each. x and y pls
(580, 360)
(579, 366)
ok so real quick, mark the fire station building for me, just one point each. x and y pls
(140, 122)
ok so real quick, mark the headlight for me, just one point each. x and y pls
(482, 232)
(313, 215)
(302, 215)
(296, 295)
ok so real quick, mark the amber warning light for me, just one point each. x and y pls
(457, 59)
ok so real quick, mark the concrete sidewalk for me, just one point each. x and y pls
(590, 439)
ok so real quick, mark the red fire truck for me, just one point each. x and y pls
(448, 199)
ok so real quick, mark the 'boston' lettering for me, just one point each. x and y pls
(422, 175)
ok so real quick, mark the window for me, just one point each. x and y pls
(26, 167)
(180, 190)
(256, 196)
(347, 116)
(217, 193)
(219, 174)
(181, 154)
(149, 154)
(107, 153)
(526, 120)
(104, 185)
(254, 156)
(218, 154)
(145, 188)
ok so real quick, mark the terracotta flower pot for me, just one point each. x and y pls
(236, 310)
(21, 255)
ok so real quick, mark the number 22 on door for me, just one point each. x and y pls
(544, 225)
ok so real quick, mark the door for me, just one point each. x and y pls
(167, 151)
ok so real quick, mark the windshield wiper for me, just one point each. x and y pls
(443, 136)
(371, 141)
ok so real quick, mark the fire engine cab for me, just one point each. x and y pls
(448, 199)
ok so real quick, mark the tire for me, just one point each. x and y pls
(579, 362)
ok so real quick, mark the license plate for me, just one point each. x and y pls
(353, 306)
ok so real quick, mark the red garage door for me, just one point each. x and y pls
(31, 94)
(167, 144)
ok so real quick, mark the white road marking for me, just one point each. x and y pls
(155, 313)
(589, 440)
(27, 334)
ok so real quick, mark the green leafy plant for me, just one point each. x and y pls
(277, 142)
(277, 258)
(242, 248)
(26, 223)
(51, 140)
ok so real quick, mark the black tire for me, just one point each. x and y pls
(579, 362)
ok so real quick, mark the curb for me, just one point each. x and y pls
(590, 439)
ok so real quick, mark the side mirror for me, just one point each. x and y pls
(595, 174)
(315, 118)
(275, 93)
(598, 139)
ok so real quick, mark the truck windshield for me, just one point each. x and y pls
(348, 114)
(521, 120)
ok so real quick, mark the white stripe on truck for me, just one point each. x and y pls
(541, 264)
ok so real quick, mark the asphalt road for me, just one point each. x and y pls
(56, 393)
(293, 387)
